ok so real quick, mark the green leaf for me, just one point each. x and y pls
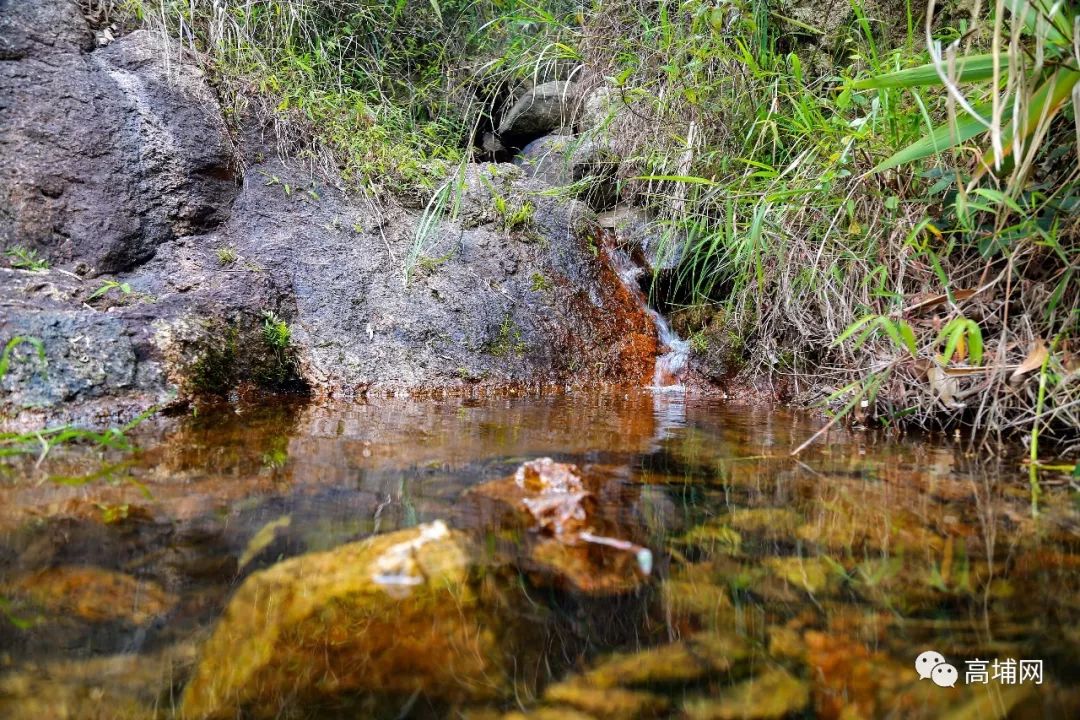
(908, 335)
(974, 342)
(972, 68)
(853, 328)
(944, 136)
(955, 332)
(1041, 108)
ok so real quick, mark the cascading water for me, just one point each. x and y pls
(671, 363)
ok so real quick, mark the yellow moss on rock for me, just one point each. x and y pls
(383, 618)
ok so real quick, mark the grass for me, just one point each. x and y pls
(22, 258)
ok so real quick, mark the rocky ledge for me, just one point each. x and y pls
(181, 257)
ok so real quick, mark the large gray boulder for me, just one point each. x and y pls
(108, 152)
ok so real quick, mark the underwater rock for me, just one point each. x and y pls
(769, 523)
(679, 663)
(372, 622)
(812, 574)
(117, 687)
(607, 703)
(92, 594)
(772, 695)
(568, 547)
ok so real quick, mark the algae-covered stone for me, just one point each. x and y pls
(93, 594)
(380, 619)
(772, 695)
(117, 687)
(681, 662)
(810, 574)
(772, 523)
(607, 703)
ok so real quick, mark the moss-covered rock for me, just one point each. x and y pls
(367, 623)
(772, 695)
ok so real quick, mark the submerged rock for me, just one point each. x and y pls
(117, 687)
(572, 549)
(369, 623)
(93, 594)
(678, 663)
(608, 703)
(772, 695)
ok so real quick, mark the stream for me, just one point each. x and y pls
(282, 559)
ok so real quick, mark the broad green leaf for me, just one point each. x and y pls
(1041, 108)
(971, 68)
(954, 330)
(943, 137)
(1054, 27)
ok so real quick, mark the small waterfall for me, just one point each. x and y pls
(675, 352)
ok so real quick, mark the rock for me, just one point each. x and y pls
(599, 109)
(558, 712)
(92, 594)
(562, 160)
(573, 546)
(42, 28)
(122, 164)
(679, 663)
(112, 151)
(119, 687)
(812, 574)
(656, 247)
(541, 110)
(768, 523)
(378, 620)
(91, 358)
(607, 703)
(772, 695)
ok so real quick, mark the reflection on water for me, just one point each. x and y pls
(410, 559)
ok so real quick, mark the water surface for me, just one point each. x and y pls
(776, 586)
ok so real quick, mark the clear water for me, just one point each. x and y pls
(778, 587)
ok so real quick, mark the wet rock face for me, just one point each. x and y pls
(110, 151)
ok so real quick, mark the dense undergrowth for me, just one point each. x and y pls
(937, 286)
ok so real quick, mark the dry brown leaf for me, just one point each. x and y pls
(1034, 360)
(945, 388)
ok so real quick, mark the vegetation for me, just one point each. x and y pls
(22, 258)
(878, 212)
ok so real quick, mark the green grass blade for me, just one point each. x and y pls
(972, 68)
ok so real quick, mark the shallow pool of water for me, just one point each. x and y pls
(233, 552)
